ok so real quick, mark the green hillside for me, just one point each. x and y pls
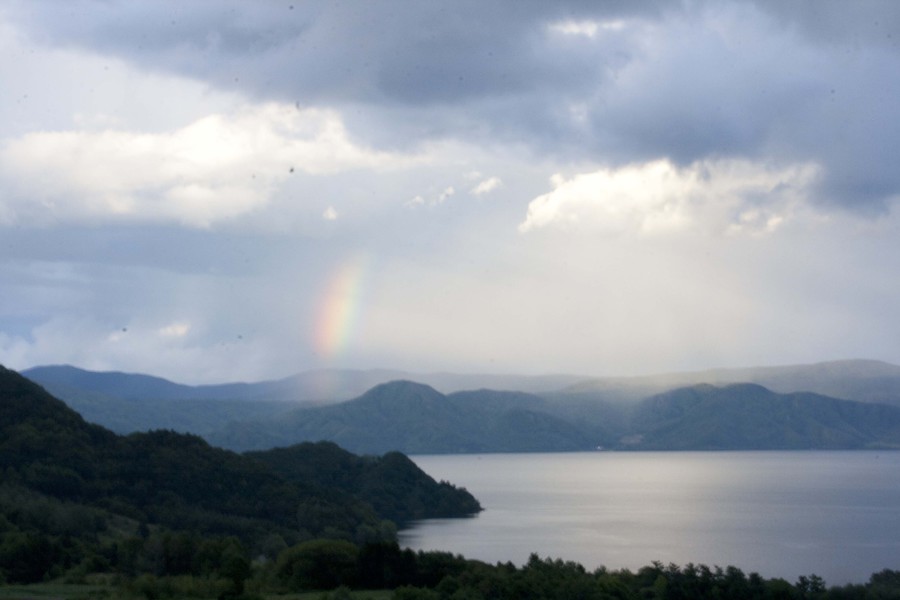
(392, 484)
(124, 489)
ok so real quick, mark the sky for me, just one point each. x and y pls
(216, 191)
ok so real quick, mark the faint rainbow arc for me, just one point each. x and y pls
(341, 306)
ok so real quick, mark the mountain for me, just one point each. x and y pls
(155, 477)
(416, 418)
(52, 458)
(393, 485)
(41, 439)
(132, 386)
(420, 418)
(860, 380)
(315, 386)
(127, 402)
(198, 416)
(751, 417)
(130, 402)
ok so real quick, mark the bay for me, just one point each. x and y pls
(780, 514)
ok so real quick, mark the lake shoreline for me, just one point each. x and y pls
(779, 513)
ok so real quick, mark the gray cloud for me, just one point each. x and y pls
(834, 23)
(791, 80)
(371, 54)
(716, 168)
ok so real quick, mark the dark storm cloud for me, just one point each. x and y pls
(493, 56)
(315, 51)
(836, 22)
(795, 82)
(852, 126)
(200, 189)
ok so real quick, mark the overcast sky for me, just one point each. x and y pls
(216, 191)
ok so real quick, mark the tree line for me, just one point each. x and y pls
(165, 515)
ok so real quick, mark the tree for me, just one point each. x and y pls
(811, 587)
(235, 568)
(27, 557)
(318, 565)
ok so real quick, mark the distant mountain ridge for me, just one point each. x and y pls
(621, 413)
(135, 386)
(416, 418)
(860, 380)
(315, 386)
(857, 379)
(751, 417)
(131, 402)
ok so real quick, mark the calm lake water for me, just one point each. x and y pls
(781, 514)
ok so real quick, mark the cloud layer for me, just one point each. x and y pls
(216, 168)
(615, 187)
(729, 197)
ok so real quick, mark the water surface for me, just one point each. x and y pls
(781, 514)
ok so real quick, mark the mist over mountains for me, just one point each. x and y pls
(860, 380)
(421, 420)
(127, 402)
(833, 405)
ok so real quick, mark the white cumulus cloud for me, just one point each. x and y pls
(447, 193)
(586, 28)
(178, 329)
(216, 168)
(435, 200)
(727, 196)
(487, 186)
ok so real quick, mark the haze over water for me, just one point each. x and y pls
(781, 514)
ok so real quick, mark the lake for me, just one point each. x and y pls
(780, 514)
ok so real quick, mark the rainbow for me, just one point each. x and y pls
(339, 311)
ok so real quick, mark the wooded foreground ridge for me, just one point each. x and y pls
(166, 515)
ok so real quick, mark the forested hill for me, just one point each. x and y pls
(751, 417)
(417, 419)
(392, 484)
(180, 482)
(165, 515)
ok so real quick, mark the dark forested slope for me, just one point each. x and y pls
(392, 484)
(178, 481)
